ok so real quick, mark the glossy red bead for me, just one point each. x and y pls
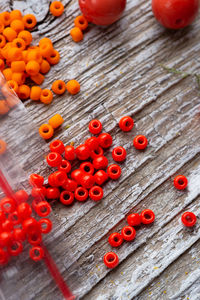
(35, 203)
(43, 209)
(96, 193)
(92, 143)
(24, 211)
(77, 175)
(96, 153)
(115, 239)
(87, 181)
(95, 126)
(7, 205)
(4, 257)
(105, 140)
(15, 248)
(51, 180)
(6, 238)
(19, 234)
(52, 193)
(114, 171)
(38, 192)
(134, 219)
(36, 253)
(36, 180)
(57, 146)
(70, 153)
(2, 217)
(54, 159)
(83, 152)
(100, 177)
(66, 198)
(30, 225)
(45, 225)
(7, 225)
(180, 182)
(65, 166)
(59, 178)
(119, 154)
(70, 185)
(126, 123)
(188, 219)
(128, 233)
(111, 260)
(100, 162)
(147, 216)
(35, 238)
(21, 196)
(140, 142)
(14, 218)
(87, 167)
(81, 194)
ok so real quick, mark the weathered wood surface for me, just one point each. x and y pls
(119, 71)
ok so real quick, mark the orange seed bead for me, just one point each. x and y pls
(15, 15)
(45, 40)
(26, 36)
(1, 27)
(19, 77)
(46, 49)
(2, 41)
(56, 121)
(29, 21)
(54, 58)
(44, 67)
(17, 25)
(5, 18)
(81, 22)
(14, 54)
(73, 87)
(32, 67)
(24, 55)
(38, 79)
(56, 8)
(13, 85)
(4, 50)
(34, 54)
(58, 87)
(2, 64)
(35, 93)
(3, 107)
(10, 34)
(24, 91)
(18, 66)
(46, 96)
(3, 147)
(7, 73)
(19, 43)
(76, 34)
(46, 131)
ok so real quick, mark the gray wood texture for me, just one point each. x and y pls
(120, 74)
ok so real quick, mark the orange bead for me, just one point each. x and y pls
(3, 107)
(26, 36)
(2, 64)
(18, 66)
(15, 15)
(5, 18)
(56, 121)
(54, 58)
(13, 85)
(1, 27)
(44, 67)
(46, 49)
(81, 22)
(45, 40)
(46, 131)
(76, 34)
(46, 96)
(3, 147)
(19, 43)
(24, 91)
(7, 73)
(24, 55)
(29, 21)
(56, 8)
(73, 87)
(10, 34)
(19, 77)
(38, 79)
(2, 41)
(32, 67)
(35, 93)
(17, 25)
(58, 87)
(34, 54)
(4, 50)
(14, 54)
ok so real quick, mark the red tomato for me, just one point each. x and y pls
(175, 14)
(102, 12)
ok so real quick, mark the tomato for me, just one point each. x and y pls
(175, 14)
(102, 12)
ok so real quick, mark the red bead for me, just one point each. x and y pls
(111, 260)
(57, 146)
(30, 225)
(100, 177)
(52, 193)
(4, 257)
(45, 225)
(87, 167)
(21, 196)
(77, 175)
(7, 205)
(87, 181)
(19, 234)
(134, 219)
(38, 192)
(180, 182)
(2, 217)
(15, 248)
(36, 180)
(54, 159)
(35, 203)
(70, 185)
(126, 123)
(59, 178)
(14, 218)
(66, 198)
(83, 152)
(5, 238)
(188, 219)
(95, 126)
(43, 209)
(24, 211)
(81, 194)
(7, 225)
(105, 140)
(147, 216)
(96, 153)
(114, 171)
(65, 166)
(100, 162)
(70, 153)
(96, 193)
(128, 233)
(36, 253)
(51, 180)
(34, 238)
(119, 154)
(92, 143)
(140, 142)
(115, 239)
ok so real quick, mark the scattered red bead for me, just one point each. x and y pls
(96, 153)
(45, 225)
(70, 185)
(119, 154)
(43, 209)
(66, 198)
(70, 153)
(83, 152)
(92, 143)
(105, 140)
(140, 142)
(52, 193)
(36, 180)
(115, 239)
(128, 233)
(21, 196)
(57, 146)
(111, 260)
(54, 159)
(7, 205)
(147, 216)
(100, 177)
(114, 171)
(188, 219)
(95, 126)
(77, 175)
(126, 123)
(96, 193)
(100, 162)
(65, 166)
(87, 181)
(180, 182)
(87, 167)
(81, 194)
(134, 219)
(36, 253)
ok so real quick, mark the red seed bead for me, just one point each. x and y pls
(180, 182)
(83, 152)
(66, 198)
(24, 211)
(111, 260)
(134, 219)
(100, 177)
(188, 219)
(115, 239)
(100, 162)
(45, 225)
(119, 154)
(52, 193)
(128, 233)
(21, 196)
(7, 225)
(95, 126)
(38, 192)
(70, 185)
(140, 142)
(77, 175)
(35, 238)
(96, 193)
(36, 180)
(54, 159)
(92, 143)
(7, 205)
(15, 248)
(126, 123)
(43, 209)
(70, 153)
(2, 217)
(81, 194)
(14, 218)
(105, 140)
(96, 153)
(35, 202)
(65, 166)
(51, 180)
(5, 238)
(87, 181)
(87, 167)
(114, 171)
(147, 216)
(19, 234)
(4, 257)
(30, 225)
(59, 178)
(57, 146)
(36, 253)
